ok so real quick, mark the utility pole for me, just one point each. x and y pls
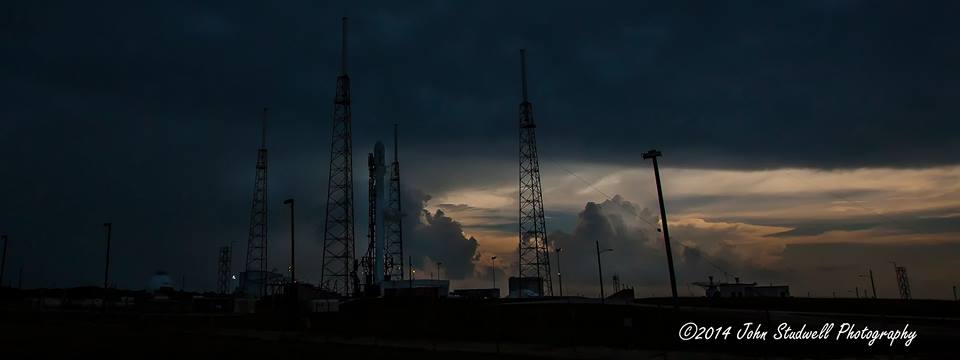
(600, 271)
(653, 154)
(559, 274)
(872, 284)
(293, 252)
(438, 271)
(3, 263)
(106, 270)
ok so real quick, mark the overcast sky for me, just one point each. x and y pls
(804, 141)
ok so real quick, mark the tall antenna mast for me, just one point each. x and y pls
(534, 252)
(254, 281)
(523, 72)
(343, 48)
(338, 272)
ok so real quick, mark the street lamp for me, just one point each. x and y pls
(559, 274)
(438, 270)
(293, 258)
(600, 270)
(410, 269)
(493, 272)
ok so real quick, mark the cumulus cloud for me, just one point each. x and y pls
(700, 248)
(432, 237)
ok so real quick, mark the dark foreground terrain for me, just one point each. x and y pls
(460, 329)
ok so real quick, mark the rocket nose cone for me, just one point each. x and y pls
(379, 152)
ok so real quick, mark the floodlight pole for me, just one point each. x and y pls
(653, 154)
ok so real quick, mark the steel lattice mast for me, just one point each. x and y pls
(337, 274)
(534, 253)
(903, 282)
(223, 270)
(393, 221)
(257, 239)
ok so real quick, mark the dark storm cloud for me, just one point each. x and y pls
(146, 114)
(818, 84)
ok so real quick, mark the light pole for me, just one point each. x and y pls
(438, 270)
(559, 274)
(653, 154)
(106, 270)
(293, 252)
(493, 272)
(600, 271)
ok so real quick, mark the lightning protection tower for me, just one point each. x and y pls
(534, 253)
(223, 270)
(256, 266)
(338, 233)
(902, 281)
(393, 221)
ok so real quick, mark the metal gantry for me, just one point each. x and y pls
(368, 258)
(393, 221)
(256, 262)
(534, 253)
(337, 274)
(223, 270)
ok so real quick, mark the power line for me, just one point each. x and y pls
(589, 184)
